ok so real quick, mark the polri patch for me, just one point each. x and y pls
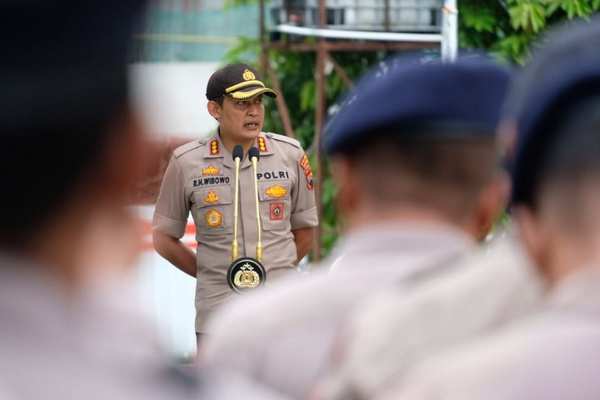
(214, 218)
(276, 212)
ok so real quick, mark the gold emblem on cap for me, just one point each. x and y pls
(246, 277)
(213, 218)
(248, 75)
(211, 197)
(276, 191)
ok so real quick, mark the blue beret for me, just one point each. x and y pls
(410, 99)
(564, 74)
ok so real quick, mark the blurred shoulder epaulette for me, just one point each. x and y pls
(187, 147)
(283, 138)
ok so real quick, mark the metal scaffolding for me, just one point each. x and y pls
(345, 40)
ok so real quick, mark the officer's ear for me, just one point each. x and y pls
(534, 236)
(214, 109)
(344, 176)
(492, 203)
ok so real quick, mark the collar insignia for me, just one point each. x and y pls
(276, 191)
(214, 147)
(211, 197)
(211, 170)
(262, 144)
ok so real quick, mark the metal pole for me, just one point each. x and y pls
(449, 31)
(319, 119)
(264, 57)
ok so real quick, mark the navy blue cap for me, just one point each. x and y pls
(564, 74)
(412, 99)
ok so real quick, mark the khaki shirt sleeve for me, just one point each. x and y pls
(304, 210)
(172, 206)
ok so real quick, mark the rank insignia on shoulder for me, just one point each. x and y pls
(262, 144)
(246, 275)
(276, 191)
(214, 218)
(211, 197)
(276, 211)
(211, 170)
(214, 147)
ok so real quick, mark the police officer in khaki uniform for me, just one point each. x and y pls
(200, 179)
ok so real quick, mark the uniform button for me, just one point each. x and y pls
(203, 141)
(269, 135)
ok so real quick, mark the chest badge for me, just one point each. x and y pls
(211, 197)
(246, 277)
(214, 218)
(211, 170)
(276, 191)
(276, 212)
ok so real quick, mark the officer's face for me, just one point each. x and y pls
(242, 120)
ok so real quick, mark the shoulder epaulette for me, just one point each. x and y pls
(187, 147)
(283, 138)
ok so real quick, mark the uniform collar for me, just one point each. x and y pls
(216, 149)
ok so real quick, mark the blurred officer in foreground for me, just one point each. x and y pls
(200, 179)
(553, 354)
(397, 329)
(413, 154)
(70, 149)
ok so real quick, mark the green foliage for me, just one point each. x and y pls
(507, 28)
(504, 28)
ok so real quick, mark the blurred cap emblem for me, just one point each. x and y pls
(248, 75)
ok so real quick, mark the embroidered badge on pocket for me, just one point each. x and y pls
(214, 218)
(276, 212)
(276, 191)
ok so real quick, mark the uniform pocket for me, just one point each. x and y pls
(275, 205)
(214, 210)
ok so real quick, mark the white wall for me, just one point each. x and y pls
(167, 296)
(171, 97)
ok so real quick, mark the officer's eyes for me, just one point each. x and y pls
(245, 103)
